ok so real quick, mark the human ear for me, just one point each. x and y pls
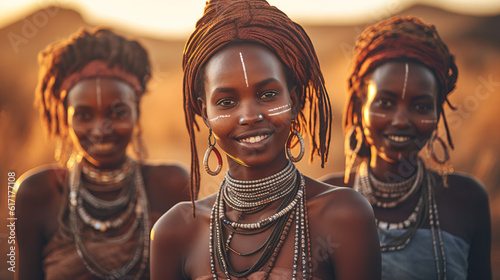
(203, 109)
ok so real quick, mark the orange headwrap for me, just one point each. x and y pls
(99, 68)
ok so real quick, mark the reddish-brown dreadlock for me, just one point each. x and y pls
(400, 38)
(61, 59)
(225, 22)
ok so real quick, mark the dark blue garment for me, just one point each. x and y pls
(417, 260)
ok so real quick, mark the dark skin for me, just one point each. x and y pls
(395, 140)
(93, 120)
(243, 81)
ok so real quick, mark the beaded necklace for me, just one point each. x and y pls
(108, 177)
(288, 185)
(378, 195)
(137, 203)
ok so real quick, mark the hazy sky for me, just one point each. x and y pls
(168, 17)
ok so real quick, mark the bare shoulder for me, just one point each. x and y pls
(337, 203)
(462, 186)
(167, 184)
(175, 230)
(337, 179)
(41, 183)
(38, 199)
(173, 175)
(180, 222)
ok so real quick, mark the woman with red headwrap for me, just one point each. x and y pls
(90, 216)
(431, 225)
(252, 75)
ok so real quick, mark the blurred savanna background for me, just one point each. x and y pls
(471, 28)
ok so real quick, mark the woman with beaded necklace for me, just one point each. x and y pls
(250, 72)
(90, 217)
(431, 225)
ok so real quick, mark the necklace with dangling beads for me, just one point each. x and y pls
(389, 195)
(109, 178)
(287, 185)
(132, 199)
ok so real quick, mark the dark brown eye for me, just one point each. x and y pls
(423, 107)
(268, 94)
(384, 102)
(82, 116)
(226, 102)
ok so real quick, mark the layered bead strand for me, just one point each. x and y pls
(135, 202)
(390, 195)
(288, 185)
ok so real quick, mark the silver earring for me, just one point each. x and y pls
(289, 146)
(211, 147)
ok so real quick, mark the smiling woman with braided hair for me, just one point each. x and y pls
(90, 216)
(252, 75)
(431, 225)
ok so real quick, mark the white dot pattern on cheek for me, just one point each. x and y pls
(378, 114)
(284, 109)
(429, 121)
(219, 117)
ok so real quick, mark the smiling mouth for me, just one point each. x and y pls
(398, 138)
(254, 139)
(102, 147)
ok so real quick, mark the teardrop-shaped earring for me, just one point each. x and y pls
(289, 146)
(211, 147)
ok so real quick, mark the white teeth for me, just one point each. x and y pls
(254, 139)
(397, 138)
(102, 146)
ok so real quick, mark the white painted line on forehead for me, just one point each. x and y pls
(98, 92)
(244, 69)
(407, 69)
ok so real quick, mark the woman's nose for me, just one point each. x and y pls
(250, 115)
(100, 128)
(400, 118)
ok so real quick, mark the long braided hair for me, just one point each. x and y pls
(65, 57)
(255, 21)
(399, 38)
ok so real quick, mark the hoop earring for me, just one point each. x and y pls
(430, 146)
(211, 147)
(138, 144)
(350, 154)
(442, 166)
(289, 146)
